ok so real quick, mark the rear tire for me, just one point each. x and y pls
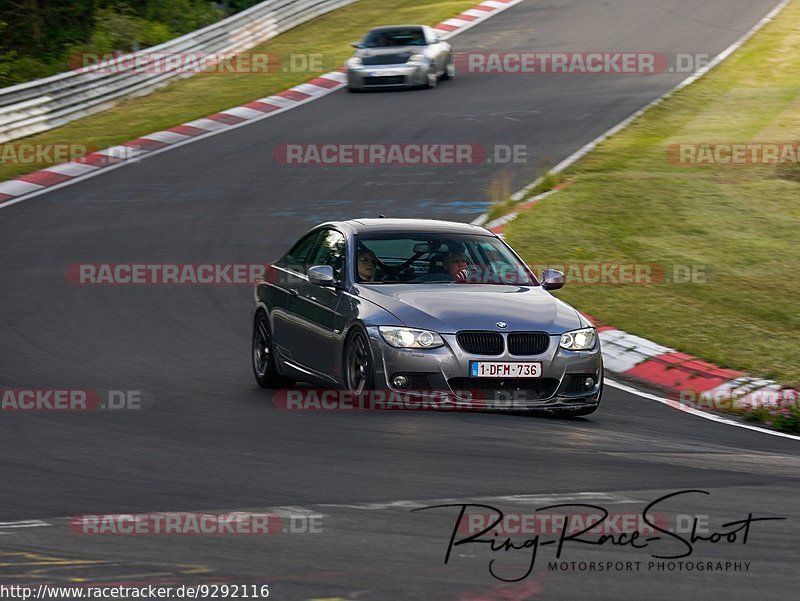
(263, 355)
(450, 71)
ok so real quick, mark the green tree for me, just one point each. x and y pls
(40, 35)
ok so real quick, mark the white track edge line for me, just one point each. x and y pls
(697, 412)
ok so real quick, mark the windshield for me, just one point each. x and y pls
(415, 258)
(386, 38)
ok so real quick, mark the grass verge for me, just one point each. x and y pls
(326, 38)
(785, 419)
(546, 182)
(736, 225)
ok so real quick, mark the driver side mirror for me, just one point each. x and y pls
(321, 275)
(356, 44)
(552, 279)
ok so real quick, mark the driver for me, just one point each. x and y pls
(456, 265)
(366, 262)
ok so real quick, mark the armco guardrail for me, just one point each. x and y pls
(44, 104)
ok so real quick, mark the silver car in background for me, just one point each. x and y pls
(400, 56)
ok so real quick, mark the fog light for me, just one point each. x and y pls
(400, 381)
(588, 383)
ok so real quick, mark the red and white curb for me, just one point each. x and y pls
(473, 16)
(63, 174)
(686, 377)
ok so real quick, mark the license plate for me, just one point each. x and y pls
(505, 369)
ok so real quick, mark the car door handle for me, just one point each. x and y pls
(292, 292)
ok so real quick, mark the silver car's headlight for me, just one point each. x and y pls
(410, 338)
(417, 58)
(355, 62)
(579, 340)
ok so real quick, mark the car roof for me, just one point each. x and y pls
(395, 27)
(386, 225)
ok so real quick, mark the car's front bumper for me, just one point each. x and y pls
(443, 375)
(387, 76)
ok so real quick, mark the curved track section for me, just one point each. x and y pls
(207, 439)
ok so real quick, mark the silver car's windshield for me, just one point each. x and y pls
(412, 258)
(387, 38)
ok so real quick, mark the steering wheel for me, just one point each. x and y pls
(390, 277)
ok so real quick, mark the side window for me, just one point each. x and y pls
(331, 251)
(297, 259)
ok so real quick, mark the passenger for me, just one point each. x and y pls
(367, 261)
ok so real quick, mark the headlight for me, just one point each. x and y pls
(355, 62)
(410, 338)
(579, 340)
(417, 58)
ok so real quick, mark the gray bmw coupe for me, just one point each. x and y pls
(422, 305)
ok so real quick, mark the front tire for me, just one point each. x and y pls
(431, 78)
(263, 355)
(359, 374)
